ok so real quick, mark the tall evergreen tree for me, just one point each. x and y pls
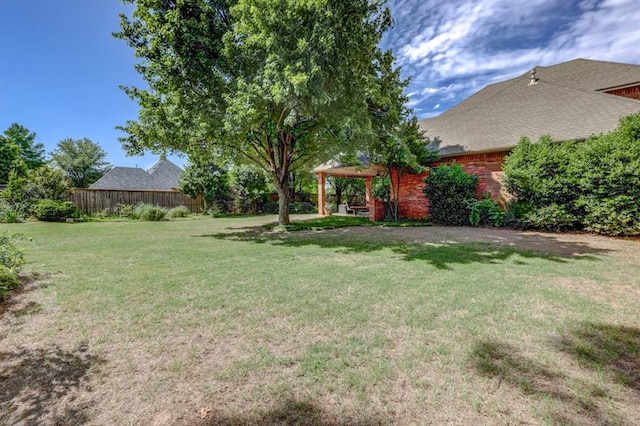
(31, 152)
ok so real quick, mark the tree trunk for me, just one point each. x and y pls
(282, 188)
(394, 199)
(338, 195)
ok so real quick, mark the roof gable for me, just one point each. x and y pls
(165, 174)
(162, 176)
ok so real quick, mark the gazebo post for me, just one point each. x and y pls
(321, 193)
(371, 202)
(367, 190)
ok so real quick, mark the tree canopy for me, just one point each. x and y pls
(19, 152)
(276, 83)
(203, 177)
(82, 161)
(10, 160)
(31, 152)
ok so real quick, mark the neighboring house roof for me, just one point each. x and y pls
(165, 174)
(162, 176)
(566, 102)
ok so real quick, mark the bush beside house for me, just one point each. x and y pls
(449, 190)
(592, 186)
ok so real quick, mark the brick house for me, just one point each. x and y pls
(568, 101)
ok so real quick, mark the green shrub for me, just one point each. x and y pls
(11, 256)
(149, 212)
(179, 211)
(11, 260)
(43, 183)
(302, 207)
(53, 210)
(593, 185)
(105, 214)
(8, 281)
(617, 216)
(554, 218)
(10, 213)
(450, 190)
(271, 207)
(486, 212)
(516, 212)
(541, 172)
(125, 210)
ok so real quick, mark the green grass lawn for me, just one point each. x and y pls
(228, 321)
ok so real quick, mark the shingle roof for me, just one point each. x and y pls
(162, 176)
(566, 102)
(165, 174)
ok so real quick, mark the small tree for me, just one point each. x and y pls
(399, 144)
(450, 191)
(252, 186)
(202, 176)
(82, 160)
(301, 183)
(346, 187)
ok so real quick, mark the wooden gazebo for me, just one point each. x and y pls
(334, 168)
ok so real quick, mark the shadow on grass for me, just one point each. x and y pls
(500, 360)
(36, 385)
(613, 348)
(575, 402)
(13, 304)
(441, 254)
(293, 412)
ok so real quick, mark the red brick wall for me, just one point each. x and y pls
(376, 210)
(414, 204)
(632, 92)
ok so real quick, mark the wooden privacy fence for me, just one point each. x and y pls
(91, 201)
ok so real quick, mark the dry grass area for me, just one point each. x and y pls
(226, 322)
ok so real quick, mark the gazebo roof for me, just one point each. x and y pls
(335, 168)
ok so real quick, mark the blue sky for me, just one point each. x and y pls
(60, 68)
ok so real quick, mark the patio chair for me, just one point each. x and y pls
(344, 208)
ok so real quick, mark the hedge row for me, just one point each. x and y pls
(592, 185)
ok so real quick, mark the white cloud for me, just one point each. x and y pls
(453, 49)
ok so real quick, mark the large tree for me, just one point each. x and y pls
(10, 161)
(82, 161)
(19, 152)
(276, 83)
(31, 152)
